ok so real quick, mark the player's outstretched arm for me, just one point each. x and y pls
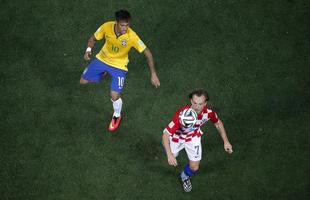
(221, 130)
(90, 45)
(171, 159)
(154, 79)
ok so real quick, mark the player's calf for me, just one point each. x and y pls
(185, 176)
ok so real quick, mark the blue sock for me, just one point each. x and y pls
(187, 173)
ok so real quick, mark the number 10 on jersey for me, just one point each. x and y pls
(121, 81)
(115, 49)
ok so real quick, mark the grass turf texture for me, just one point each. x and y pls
(252, 57)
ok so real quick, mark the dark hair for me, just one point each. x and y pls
(199, 92)
(122, 15)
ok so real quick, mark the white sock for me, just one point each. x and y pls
(117, 106)
(184, 176)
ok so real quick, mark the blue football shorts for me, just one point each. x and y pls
(95, 70)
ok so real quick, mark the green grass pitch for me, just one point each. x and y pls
(252, 57)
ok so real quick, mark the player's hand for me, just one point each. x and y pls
(87, 55)
(228, 147)
(172, 160)
(154, 80)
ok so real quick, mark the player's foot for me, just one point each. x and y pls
(187, 185)
(114, 123)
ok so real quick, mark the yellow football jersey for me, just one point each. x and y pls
(115, 50)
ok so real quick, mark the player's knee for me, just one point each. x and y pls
(83, 81)
(115, 96)
(194, 168)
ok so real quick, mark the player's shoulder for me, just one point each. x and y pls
(132, 33)
(210, 113)
(110, 23)
(177, 113)
(104, 28)
(207, 109)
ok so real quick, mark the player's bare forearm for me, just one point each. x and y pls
(165, 141)
(91, 41)
(171, 159)
(149, 57)
(221, 130)
(90, 45)
(150, 61)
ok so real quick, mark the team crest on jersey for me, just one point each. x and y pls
(124, 42)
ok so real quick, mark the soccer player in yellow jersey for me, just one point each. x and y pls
(113, 59)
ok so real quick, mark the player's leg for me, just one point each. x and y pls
(93, 72)
(117, 106)
(176, 147)
(193, 150)
(83, 81)
(189, 170)
(118, 77)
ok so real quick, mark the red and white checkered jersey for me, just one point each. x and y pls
(178, 132)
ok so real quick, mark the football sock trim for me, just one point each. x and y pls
(188, 171)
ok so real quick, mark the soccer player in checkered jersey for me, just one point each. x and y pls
(113, 59)
(175, 137)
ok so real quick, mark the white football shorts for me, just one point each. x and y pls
(192, 148)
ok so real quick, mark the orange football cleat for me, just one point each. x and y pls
(114, 123)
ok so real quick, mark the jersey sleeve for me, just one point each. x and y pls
(138, 44)
(174, 125)
(99, 34)
(213, 116)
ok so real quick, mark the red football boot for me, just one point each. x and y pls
(114, 123)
